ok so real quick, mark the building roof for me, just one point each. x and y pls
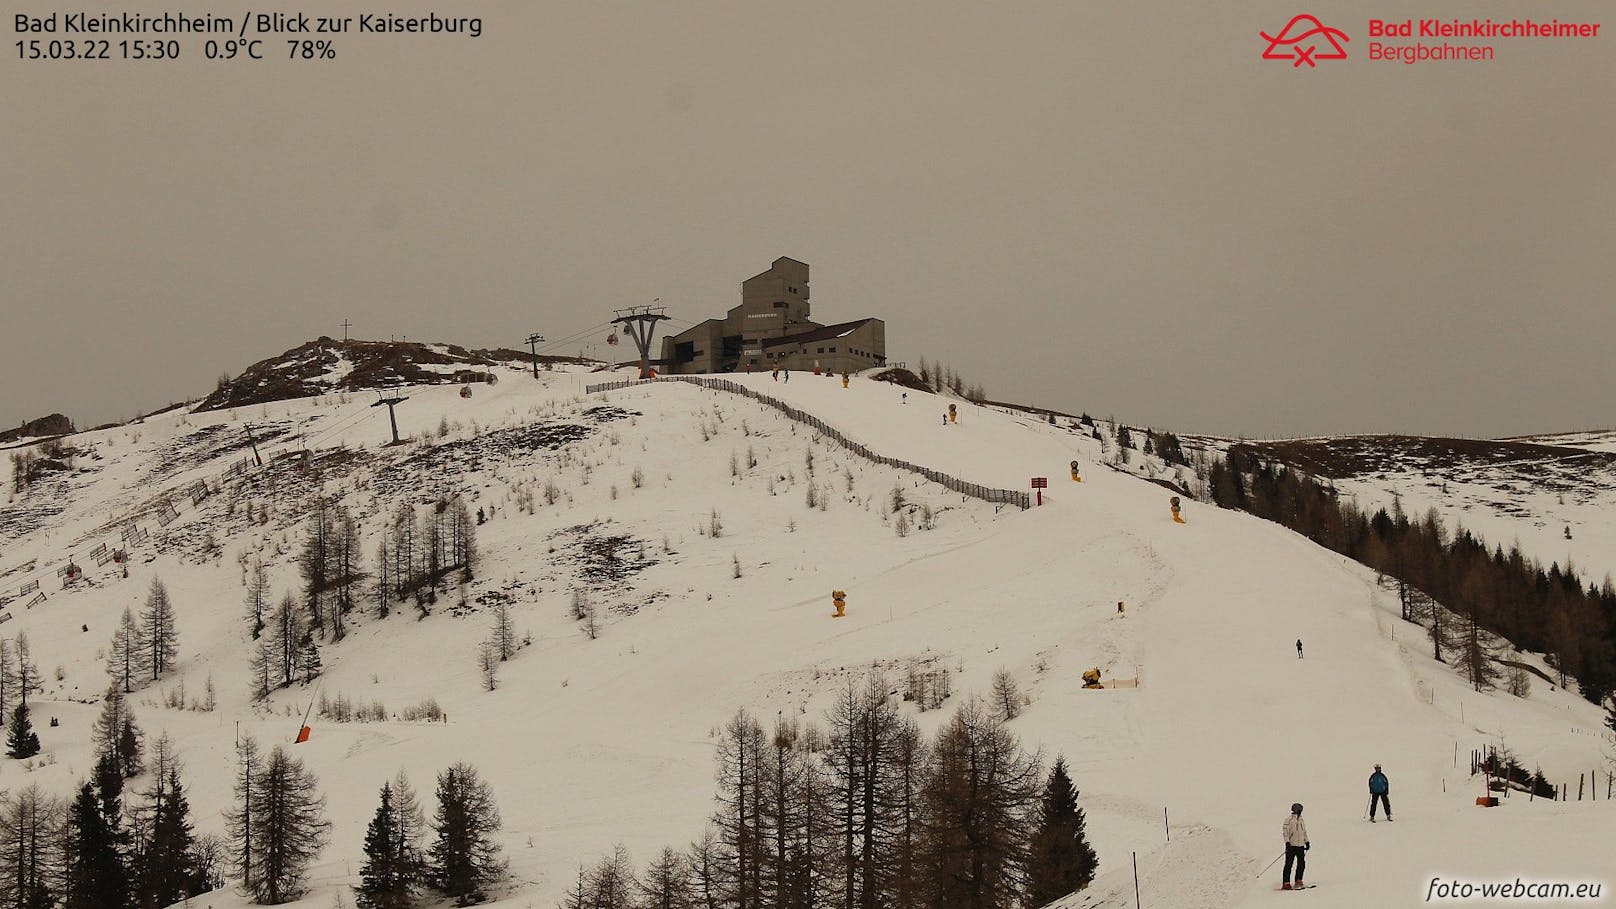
(819, 334)
(776, 264)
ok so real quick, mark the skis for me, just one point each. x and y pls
(1303, 887)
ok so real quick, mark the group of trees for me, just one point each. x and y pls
(286, 652)
(414, 556)
(1487, 590)
(938, 377)
(144, 647)
(329, 563)
(462, 860)
(276, 823)
(94, 852)
(868, 815)
(19, 678)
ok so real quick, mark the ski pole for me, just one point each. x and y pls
(1367, 806)
(1270, 864)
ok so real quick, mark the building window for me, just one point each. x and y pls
(779, 304)
(833, 350)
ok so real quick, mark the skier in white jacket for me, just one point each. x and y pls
(1296, 846)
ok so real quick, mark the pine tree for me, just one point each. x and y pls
(21, 740)
(978, 792)
(126, 655)
(109, 788)
(1061, 859)
(382, 883)
(612, 884)
(29, 848)
(666, 883)
(284, 636)
(94, 874)
(739, 816)
(288, 828)
(108, 735)
(504, 632)
(168, 867)
(129, 748)
(345, 556)
(410, 827)
(261, 671)
(28, 678)
(462, 539)
(314, 562)
(240, 818)
(463, 858)
(258, 600)
(161, 638)
(8, 677)
(384, 576)
(488, 664)
(309, 658)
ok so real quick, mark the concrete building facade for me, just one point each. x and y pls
(771, 329)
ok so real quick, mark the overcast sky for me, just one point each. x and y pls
(1115, 207)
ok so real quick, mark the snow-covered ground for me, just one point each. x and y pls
(588, 743)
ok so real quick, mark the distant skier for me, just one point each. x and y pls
(1298, 648)
(905, 398)
(1379, 791)
(1296, 846)
(945, 418)
(775, 375)
(785, 375)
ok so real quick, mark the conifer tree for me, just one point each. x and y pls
(309, 658)
(109, 788)
(21, 740)
(28, 678)
(410, 824)
(94, 873)
(8, 677)
(285, 636)
(168, 866)
(384, 575)
(127, 653)
(112, 726)
(464, 859)
(29, 848)
(504, 631)
(260, 671)
(1061, 860)
(161, 638)
(612, 884)
(129, 748)
(383, 884)
(288, 828)
(666, 883)
(240, 819)
(978, 792)
(258, 600)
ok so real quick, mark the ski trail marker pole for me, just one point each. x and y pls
(1136, 880)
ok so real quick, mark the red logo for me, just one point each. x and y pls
(1301, 39)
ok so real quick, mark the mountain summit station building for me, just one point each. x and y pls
(771, 330)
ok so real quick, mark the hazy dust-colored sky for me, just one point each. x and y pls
(1115, 207)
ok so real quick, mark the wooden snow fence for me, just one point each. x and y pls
(974, 490)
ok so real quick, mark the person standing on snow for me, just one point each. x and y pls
(1379, 790)
(1296, 846)
(1298, 648)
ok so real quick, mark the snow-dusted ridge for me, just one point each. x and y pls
(592, 742)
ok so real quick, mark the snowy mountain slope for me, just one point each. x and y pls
(1528, 491)
(591, 742)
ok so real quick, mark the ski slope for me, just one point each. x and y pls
(587, 743)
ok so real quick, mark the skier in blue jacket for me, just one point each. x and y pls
(1379, 789)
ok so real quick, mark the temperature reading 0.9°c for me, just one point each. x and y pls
(233, 49)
